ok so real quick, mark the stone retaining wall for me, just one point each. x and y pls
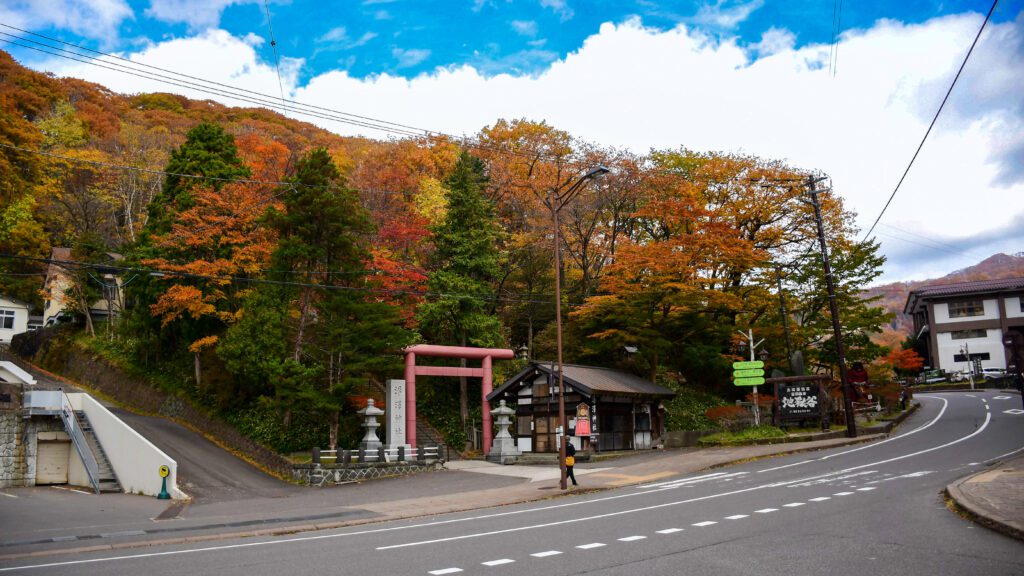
(331, 474)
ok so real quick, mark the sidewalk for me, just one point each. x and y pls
(71, 522)
(994, 498)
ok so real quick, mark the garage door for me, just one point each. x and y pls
(52, 462)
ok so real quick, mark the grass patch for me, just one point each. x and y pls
(743, 436)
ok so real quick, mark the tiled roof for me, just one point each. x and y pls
(960, 288)
(591, 380)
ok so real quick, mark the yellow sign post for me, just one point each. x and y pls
(164, 473)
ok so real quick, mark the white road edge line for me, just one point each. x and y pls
(988, 419)
(945, 403)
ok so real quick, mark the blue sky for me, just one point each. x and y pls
(738, 76)
(409, 37)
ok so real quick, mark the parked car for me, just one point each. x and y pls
(932, 376)
(993, 372)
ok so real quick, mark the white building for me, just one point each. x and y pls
(13, 318)
(965, 322)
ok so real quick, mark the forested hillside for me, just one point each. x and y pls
(273, 268)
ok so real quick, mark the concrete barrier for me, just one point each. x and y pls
(135, 460)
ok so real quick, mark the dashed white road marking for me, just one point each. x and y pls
(670, 531)
(866, 489)
(970, 395)
(498, 562)
(695, 480)
(792, 504)
(632, 538)
(8, 495)
(705, 523)
(590, 546)
(737, 516)
(1001, 397)
(842, 493)
(546, 553)
(1013, 411)
(820, 499)
(987, 407)
(766, 510)
(445, 571)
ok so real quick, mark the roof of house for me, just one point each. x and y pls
(589, 380)
(918, 297)
(16, 301)
(16, 371)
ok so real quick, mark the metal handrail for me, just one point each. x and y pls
(74, 429)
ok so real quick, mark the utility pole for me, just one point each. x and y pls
(851, 426)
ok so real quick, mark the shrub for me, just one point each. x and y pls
(730, 417)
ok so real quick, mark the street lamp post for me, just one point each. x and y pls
(555, 201)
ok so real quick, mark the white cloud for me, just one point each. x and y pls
(559, 7)
(727, 17)
(334, 35)
(524, 27)
(774, 40)
(197, 14)
(639, 88)
(409, 57)
(99, 19)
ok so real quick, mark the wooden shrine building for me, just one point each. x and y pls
(606, 409)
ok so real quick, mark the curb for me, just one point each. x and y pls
(311, 527)
(959, 503)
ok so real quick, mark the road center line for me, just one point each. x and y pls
(988, 419)
(942, 411)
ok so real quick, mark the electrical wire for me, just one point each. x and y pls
(934, 119)
(273, 45)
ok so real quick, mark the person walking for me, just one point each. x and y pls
(570, 461)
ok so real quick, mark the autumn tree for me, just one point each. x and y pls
(465, 265)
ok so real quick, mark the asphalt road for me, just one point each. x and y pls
(206, 471)
(867, 509)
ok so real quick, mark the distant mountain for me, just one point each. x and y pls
(894, 295)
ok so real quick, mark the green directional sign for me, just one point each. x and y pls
(748, 373)
(749, 381)
(748, 365)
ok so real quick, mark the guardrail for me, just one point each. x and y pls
(380, 455)
(74, 429)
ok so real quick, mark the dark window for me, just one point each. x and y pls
(6, 319)
(966, 309)
(965, 334)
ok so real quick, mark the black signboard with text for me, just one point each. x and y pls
(799, 400)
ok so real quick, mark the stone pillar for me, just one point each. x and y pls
(395, 421)
(485, 409)
(504, 450)
(370, 413)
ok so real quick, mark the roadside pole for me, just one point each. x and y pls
(851, 426)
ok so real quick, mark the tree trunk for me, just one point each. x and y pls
(199, 370)
(88, 317)
(334, 431)
(303, 307)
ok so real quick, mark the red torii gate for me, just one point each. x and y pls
(483, 372)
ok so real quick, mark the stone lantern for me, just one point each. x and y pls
(503, 448)
(370, 441)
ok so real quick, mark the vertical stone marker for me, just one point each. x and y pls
(395, 423)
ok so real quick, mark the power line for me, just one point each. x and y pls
(273, 45)
(934, 119)
(262, 99)
(836, 39)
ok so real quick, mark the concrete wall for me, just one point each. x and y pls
(948, 347)
(135, 460)
(1015, 307)
(991, 312)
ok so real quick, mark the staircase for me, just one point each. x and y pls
(427, 435)
(106, 479)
